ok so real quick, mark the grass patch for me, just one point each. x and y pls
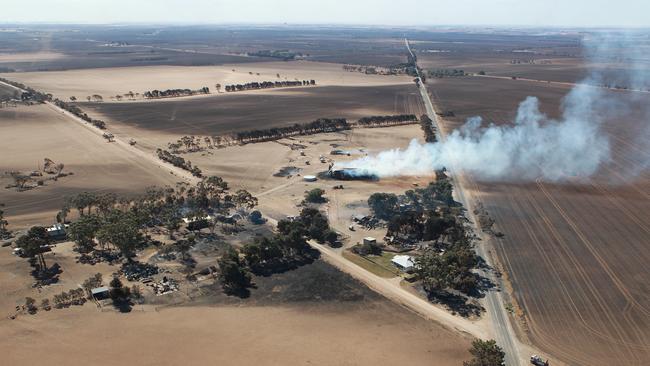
(379, 265)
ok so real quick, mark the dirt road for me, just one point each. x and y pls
(392, 290)
(503, 331)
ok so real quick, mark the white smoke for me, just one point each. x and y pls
(534, 146)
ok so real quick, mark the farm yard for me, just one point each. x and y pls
(575, 252)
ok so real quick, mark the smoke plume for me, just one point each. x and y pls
(533, 146)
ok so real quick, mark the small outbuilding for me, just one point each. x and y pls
(403, 262)
(100, 293)
(369, 240)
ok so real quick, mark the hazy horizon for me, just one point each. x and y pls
(497, 13)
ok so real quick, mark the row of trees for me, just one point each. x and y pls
(427, 127)
(29, 94)
(4, 232)
(284, 55)
(446, 73)
(74, 109)
(391, 120)
(190, 144)
(153, 94)
(320, 125)
(179, 161)
(268, 84)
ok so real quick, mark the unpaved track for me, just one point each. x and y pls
(393, 291)
(503, 331)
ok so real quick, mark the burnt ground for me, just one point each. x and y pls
(317, 283)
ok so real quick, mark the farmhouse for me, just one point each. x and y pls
(403, 262)
(56, 232)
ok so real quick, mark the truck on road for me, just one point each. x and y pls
(538, 361)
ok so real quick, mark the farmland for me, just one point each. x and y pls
(576, 252)
(154, 123)
(30, 134)
(573, 255)
(111, 81)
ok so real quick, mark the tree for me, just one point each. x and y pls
(45, 305)
(30, 305)
(171, 218)
(244, 200)
(486, 353)
(234, 276)
(218, 87)
(62, 215)
(33, 244)
(383, 205)
(315, 196)
(19, 179)
(121, 229)
(256, 217)
(83, 232)
(3, 223)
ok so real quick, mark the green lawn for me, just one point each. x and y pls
(377, 264)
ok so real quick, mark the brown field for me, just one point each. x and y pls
(109, 82)
(232, 112)
(312, 315)
(29, 134)
(576, 252)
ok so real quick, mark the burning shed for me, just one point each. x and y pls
(351, 174)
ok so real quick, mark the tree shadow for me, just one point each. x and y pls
(457, 303)
(46, 276)
(123, 305)
(240, 292)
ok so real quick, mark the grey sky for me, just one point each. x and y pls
(624, 13)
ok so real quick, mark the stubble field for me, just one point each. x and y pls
(576, 252)
(31, 133)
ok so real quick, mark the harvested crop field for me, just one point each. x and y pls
(232, 112)
(576, 252)
(31, 133)
(109, 82)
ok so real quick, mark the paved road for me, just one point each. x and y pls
(503, 332)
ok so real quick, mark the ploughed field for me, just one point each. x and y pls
(227, 113)
(577, 252)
